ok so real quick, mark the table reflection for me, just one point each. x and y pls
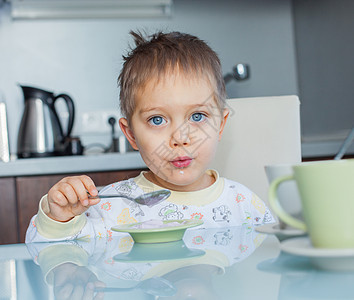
(116, 267)
(306, 278)
(222, 264)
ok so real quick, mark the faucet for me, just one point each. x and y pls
(239, 72)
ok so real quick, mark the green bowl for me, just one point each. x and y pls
(160, 234)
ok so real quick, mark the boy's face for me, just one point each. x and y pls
(176, 126)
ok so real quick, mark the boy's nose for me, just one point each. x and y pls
(180, 138)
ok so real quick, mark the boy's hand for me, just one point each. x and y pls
(68, 198)
(73, 282)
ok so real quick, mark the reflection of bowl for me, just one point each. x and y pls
(158, 252)
(159, 234)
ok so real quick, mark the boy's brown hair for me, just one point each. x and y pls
(160, 53)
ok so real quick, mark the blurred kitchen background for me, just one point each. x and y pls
(291, 46)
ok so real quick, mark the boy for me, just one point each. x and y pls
(172, 97)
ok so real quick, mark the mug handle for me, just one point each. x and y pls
(275, 204)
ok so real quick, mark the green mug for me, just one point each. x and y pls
(326, 190)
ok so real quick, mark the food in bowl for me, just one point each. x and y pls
(156, 224)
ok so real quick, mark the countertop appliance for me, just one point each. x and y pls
(40, 133)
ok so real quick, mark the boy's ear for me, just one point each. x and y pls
(225, 115)
(128, 132)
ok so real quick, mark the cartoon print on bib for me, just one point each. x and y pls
(268, 218)
(171, 212)
(106, 206)
(125, 244)
(136, 209)
(258, 240)
(248, 227)
(126, 188)
(221, 214)
(109, 235)
(223, 237)
(131, 274)
(240, 198)
(109, 261)
(198, 240)
(243, 248)
(258, 204)
(247, 220)
(125, 218)
(197, 216)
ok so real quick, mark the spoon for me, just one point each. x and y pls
(149, 199)
(345, 145)
(155, 286)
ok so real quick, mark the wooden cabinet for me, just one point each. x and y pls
(20, 198)
(8, 216)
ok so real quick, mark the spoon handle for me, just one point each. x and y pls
(112, 289)
(110, 196)
(345, 145)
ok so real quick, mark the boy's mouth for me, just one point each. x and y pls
(181, 162)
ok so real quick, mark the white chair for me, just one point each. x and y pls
(260, 131)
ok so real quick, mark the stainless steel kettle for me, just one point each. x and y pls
(40, 133)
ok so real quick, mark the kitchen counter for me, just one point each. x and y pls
(323, 149)
(72, 164)
(115, 161)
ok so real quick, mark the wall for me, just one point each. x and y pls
(83, 57)
(325, 46)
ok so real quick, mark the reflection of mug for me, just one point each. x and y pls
(327, 195)
(287, 192)
(300, 280)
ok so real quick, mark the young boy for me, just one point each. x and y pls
(172, 97)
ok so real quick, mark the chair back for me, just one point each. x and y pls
(259, 131)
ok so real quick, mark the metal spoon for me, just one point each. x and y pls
(345, 145)
(149, 199)
(155, 286)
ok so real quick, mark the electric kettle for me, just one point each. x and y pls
(41, 133)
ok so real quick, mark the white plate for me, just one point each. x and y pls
(302, 246)
(322, 258)
(280, 233)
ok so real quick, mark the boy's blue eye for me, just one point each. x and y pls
(157, 120)
(197, 117)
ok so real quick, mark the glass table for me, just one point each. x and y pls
(223, 263)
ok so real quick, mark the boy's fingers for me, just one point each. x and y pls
(82, 184)
(70, 196)
(64, 292)
(70, 191)
(80, 208)
(94, 201)
(89, 185)
(77, 293)
(58, 198)
(77, 191)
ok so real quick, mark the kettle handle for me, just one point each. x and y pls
(71, 109)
